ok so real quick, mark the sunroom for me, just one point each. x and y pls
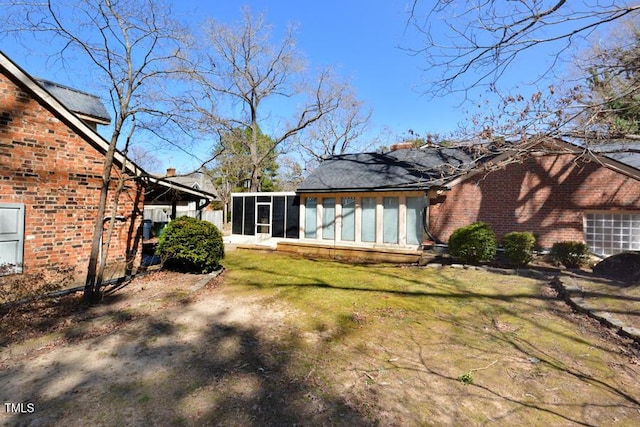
(369, 219)
(375, 201)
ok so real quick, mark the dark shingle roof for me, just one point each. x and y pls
(76, 101)
(394, 170)
(423, 168)
(626, 152)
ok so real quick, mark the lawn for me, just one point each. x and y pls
(282, 340)
(447, 346)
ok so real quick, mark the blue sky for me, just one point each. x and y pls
(360, 39)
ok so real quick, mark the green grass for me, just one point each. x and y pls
(283, 340)
(329, 292)
(420, 330)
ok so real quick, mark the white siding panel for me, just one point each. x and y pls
(12, 235)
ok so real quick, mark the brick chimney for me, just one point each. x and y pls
(171, 171)
(402, 146)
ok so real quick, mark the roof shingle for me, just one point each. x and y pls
(394, 170)
(76, 101)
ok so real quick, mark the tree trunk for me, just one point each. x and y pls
(107, 243)
(255, 179)
(92, 286)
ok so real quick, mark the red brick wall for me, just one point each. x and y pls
(57, 175)
(545, 195)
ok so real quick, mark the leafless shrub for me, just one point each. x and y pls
(32, 283)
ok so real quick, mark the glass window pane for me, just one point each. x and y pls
(328, 218)
(310, 217)
(608, 233)
(348, 219)
(368, 228)
(390, 220)
(415, 212)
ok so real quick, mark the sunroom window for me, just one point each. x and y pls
(368, 219)
(348, 219)
(311, 207)
(415, 212)
(329, 218)
(390, 220)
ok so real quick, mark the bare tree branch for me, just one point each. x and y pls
(241, 74)
(130, 46)
(471, 44)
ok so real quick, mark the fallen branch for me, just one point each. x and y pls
(486, 367)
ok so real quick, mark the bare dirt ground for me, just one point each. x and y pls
(165, 351)
(162, 355)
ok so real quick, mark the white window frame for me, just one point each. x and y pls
(12, 233)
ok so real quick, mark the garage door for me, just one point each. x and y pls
(11, 235)
(612, 233)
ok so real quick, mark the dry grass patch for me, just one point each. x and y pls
(447, 345)
(284, 340)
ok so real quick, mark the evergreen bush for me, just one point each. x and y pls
(571, 254)
(518, 247)
(473, 243)
(191, 245)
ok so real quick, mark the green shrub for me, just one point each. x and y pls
(473, 243)
(571, 254)
(190, 244)
(518, 247)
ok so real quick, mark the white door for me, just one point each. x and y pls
(11, 235)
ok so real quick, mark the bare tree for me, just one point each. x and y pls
(480, 40)
(232, 164)
(130, 46)
(337, 132)
(242, 75)
(291, 173)
(145, 158)
(473, 45)
(613, 84)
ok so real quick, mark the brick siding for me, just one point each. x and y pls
(56, 174)
(546, 195)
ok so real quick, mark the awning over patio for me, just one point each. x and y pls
(163, 191)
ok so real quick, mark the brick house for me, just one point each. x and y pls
(51, 162)
(402, 200)
(562, 196)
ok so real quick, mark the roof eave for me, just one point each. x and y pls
(420, 187)
(67, 116)
(182, 188)
(94, 119)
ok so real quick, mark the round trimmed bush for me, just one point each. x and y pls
(571, 254)
(473, 243)
(190, 244)
(518, 247)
